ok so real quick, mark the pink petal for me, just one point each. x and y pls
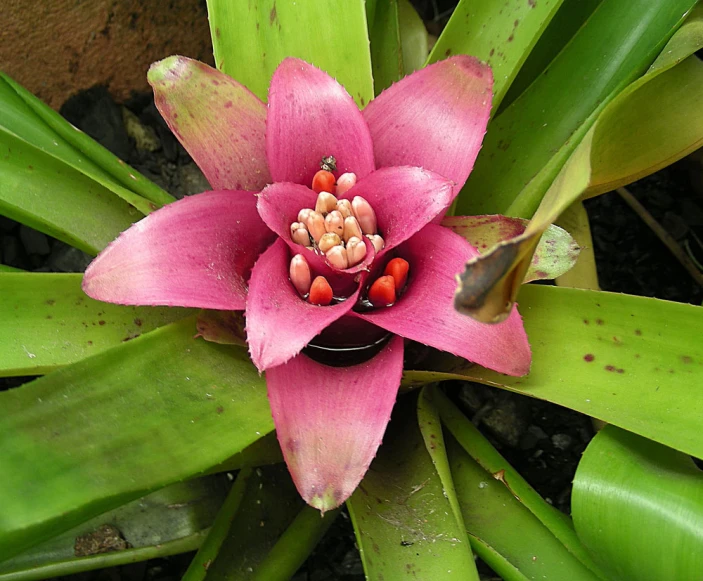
(220, 122)
(330, 420)
(435, 118)
(197, 252)
(279, 322)
(405, 199)
(312, 116)
(425, 313)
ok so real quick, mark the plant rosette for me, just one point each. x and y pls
(323, 227)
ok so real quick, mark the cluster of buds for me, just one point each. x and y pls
(336, 229)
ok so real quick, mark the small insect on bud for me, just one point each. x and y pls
(328, 241)
(316, 226)
(301, 236)
(356, 250)
(351, 228)
(378, 242)
(364, 214)
(398, 268)
(328, 163)
(320, 292)
(337, 257)
(300, 274)
(345, 183)
(382, 292)
(326, 202)
(323, 181)
(335, 223)
(344, 208)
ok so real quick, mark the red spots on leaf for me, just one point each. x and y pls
(686, 359)
(614, 369)
(492, 52)
(448, 52)
(586, 322)
(101, 323)
(228, 105)
(638, 332)
(599, 321)
(138, 322)
(588, 357)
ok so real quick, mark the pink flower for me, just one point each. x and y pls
(410, 150)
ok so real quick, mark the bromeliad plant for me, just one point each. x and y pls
(311, 270)
(326, 226)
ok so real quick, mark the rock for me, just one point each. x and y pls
(144, 137)
(561, 441)
(192, 180)
(34, 242)
(65, 258)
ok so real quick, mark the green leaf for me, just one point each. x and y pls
(493, 515)
(49, 322)
(404, 524)
(163, 523)
(22, 114)
(386, 53)
(571, 15)
(250, 39)
(413, 37)
(44, 193)
(532, 139)
(272, 532)
(499, 33)
(608, 156)
(481, 450)
(94, 435)
(638, 506)
(220, 527)
(631, 361)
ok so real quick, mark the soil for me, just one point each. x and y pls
(542, 441)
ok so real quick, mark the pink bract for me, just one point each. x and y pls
(411, 149)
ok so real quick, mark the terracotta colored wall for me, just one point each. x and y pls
(58, 47)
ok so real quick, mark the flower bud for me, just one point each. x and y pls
(356, 250)
(364, 214)
(351, 228)
(345, 209)
(316, 226)
(304, 215)
(345, 183)
(300, 274)
(320, 292)
(377, 241)
(301, 236)
(328, 241)
(337, 257)
(382, 292)
(335, 223)
(326, 202)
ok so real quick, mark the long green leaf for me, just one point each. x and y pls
(386, 52)
(499, 33)
(571, 16)
(57, 137)
(91, 436)
(150, 525)
(638, 505)
(495, 516)
(250, 39)
(631, 361)
(43, 192)
(269, 505)
(532, 139)
(480, 449)
(49, 322)
(404, 524)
